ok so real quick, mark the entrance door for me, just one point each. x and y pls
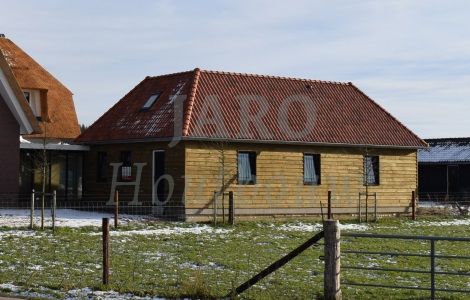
(452, 180)
(158, 194)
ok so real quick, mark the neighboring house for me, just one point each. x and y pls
(16, 117)
(280, 144)
(51, 104)
(444, 169)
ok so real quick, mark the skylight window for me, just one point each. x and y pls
(151, 100)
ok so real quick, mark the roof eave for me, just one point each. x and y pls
(279, 142)
(55, 147)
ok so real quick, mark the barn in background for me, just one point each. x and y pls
(444, 170)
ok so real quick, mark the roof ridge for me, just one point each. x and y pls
(252, 75)
(192, 96)
(274, 77)
(389, 114)
(171, 74)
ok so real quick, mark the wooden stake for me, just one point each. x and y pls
(332, 290)
(329, 206)
(106, 251)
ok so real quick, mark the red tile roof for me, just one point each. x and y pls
(233, 106)
(58, 114)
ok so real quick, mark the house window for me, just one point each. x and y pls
(34, 99)
(246, 167)
(312, 169)
(102, 166)
(151, 100)
(126, 168)
(371, 170)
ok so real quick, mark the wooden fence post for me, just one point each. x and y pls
(106, 251)
(231, 209)
(329, 206)
(332, 290)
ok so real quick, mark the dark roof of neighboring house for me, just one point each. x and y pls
(245, 107)
(11, 93)
(446, 150)
(61, 121)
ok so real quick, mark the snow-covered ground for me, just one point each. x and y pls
(75, 218)
(64, 218)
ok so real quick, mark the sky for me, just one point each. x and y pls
(411, 57)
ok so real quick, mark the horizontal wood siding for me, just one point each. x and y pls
(140, 153)
(280, 176)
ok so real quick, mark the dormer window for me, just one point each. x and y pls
(34, 99)
(151, 100)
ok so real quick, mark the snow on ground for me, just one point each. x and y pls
(445, 223)
(64, 217)
(74, 218)
(319, 227)
(78, 294)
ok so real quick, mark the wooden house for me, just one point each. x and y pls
(279, 144)
(51, 105)
(444, 170)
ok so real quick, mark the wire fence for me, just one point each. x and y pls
(441, 198)
(226, 209)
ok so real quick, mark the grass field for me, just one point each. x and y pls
(163, 260)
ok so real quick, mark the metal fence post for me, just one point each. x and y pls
(413, 205)
(53, 211)
(375, 206)
(32, 210)
(433, 262)
(116, 209)
(332, 289)
(360, 215)
(215, 207)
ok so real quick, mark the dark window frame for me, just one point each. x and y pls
(247, 179)
(316, 158)
(371, 170)
(102, 169)
(151, 101)
(126, 167)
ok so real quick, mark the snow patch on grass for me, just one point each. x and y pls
(319, 227)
